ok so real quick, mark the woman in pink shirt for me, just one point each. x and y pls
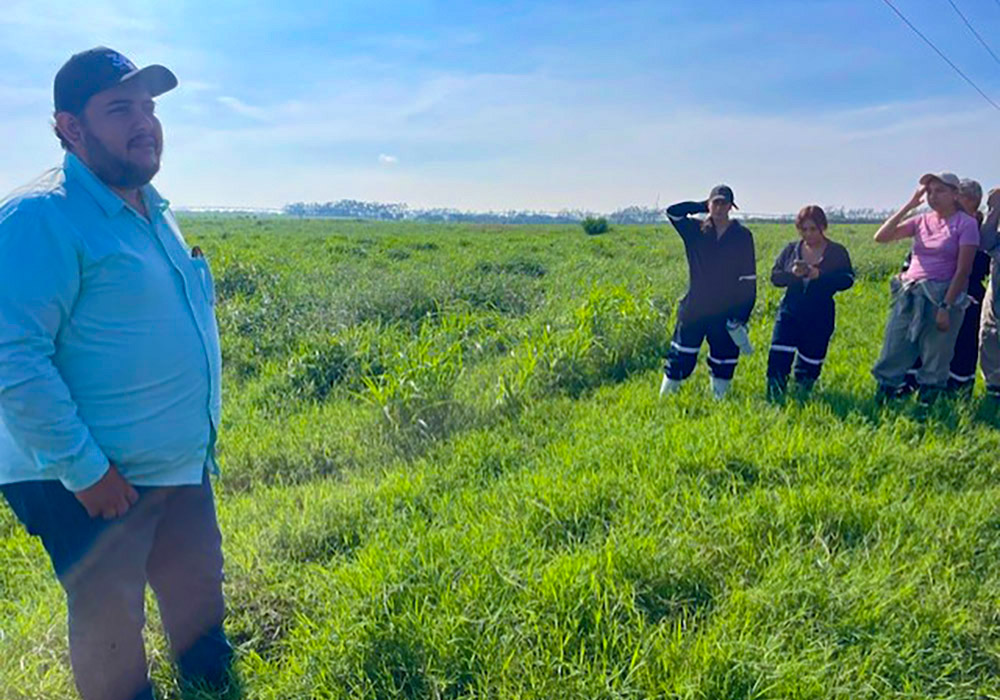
(929, 299)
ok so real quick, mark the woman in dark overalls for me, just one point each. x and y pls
(812, 270)
(721, 291)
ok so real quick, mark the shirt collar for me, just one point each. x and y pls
(110, 202)
(154, 202)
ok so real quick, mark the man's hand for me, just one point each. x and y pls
(942, 320)
(110, 498)
(993, 199)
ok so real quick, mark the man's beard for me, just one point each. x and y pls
(111, 169)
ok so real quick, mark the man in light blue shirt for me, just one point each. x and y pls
(110, 385)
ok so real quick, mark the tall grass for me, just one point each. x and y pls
(446, 474)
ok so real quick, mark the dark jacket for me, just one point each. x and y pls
(977, 278)
(980, 268)
(722, 270)
(813, 299)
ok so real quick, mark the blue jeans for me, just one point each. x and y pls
(911, 332)
(170, 539)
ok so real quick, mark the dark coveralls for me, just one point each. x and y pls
(722, 287)
(963, 362)
(807, 314)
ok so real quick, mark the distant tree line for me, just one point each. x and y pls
(840, 215)
(349, 209)
(377, 211)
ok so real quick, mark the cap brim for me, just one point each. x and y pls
(157, 79)
(931, 177)
(724, 199)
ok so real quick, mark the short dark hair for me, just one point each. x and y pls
(811, 213)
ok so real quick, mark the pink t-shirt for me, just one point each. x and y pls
(935, 244)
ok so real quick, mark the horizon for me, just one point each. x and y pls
(283, 211)
(528, 106)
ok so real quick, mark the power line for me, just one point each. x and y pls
(973, 30)
(943, 57)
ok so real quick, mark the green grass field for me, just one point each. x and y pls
(447, 474)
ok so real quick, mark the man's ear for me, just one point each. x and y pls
(70, 127)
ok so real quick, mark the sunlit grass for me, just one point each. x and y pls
(447, 475)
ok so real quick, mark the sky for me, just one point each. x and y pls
(484, 105)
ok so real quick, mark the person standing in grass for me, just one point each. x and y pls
(962, 371)
(812, 270)
(989, 332)
(110, 386)
(930, 297)
(721, 292)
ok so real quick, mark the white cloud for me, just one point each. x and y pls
(289, 112)
(243, 109)
(197, 86)
(26, 15)
(495, 141)
(13, 97)
(492, 151)
(47, 33)
(407, 43)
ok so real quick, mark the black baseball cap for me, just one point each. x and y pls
(722, 192)
(89, 72)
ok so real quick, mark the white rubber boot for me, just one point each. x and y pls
(669, 386)
(720, 387)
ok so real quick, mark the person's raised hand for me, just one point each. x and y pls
(109, 498)
(918, 197)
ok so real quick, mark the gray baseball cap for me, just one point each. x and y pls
(950, 179)
(970, 188)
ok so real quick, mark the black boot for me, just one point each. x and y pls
(776, 388)
(910, 385)
(804, 385)
(885, 393)
(962, 390)
(927, 395)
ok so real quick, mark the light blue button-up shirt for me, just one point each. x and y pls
(109, 349)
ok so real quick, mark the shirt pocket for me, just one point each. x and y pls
(204, 272)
